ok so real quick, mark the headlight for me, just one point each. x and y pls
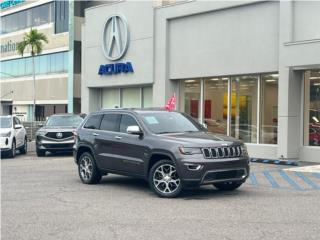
(244, 150)
(41, 133)
(6, 134)
(189, 150)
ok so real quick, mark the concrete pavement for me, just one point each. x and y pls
(43, 198)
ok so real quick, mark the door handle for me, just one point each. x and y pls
(95, 134)
(118, 137)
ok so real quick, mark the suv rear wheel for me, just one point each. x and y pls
(164, 179)
(227, 186)
(88, 171)
(12, 152)
(23, 149)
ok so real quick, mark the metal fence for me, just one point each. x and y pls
(31, 128)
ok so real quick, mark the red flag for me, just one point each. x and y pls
(171, 105)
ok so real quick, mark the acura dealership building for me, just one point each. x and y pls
(248, 69)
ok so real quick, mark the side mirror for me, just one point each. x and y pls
(135, 130)
(17, 126)
(40, 125)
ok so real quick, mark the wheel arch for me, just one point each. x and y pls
(157, 156)
(82, 149)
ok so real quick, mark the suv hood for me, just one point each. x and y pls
(57, 128)
(200, 139)
(5, 130)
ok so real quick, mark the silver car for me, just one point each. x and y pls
(56, 134)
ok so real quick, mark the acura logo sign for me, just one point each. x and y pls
(59, 135)
(115, 37)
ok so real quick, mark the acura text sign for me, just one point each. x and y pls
(115, 68)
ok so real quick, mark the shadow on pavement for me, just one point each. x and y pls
(200, 193)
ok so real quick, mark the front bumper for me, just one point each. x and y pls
(50, 145)
(5, 144)
(207, 171)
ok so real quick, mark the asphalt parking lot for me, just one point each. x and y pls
(43, 198)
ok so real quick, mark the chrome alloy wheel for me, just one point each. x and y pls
(86, 168)
(165, 179)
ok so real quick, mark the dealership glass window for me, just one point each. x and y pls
(269, 109)
(110, 98)
(312, 108)
(139, 97)
(20, 67)
(130, 97)
(147, 97)
(244, 108)
(27, 18)
(216, 104)
(190, 97)
(28, 62)
(43, 66)
(47, 63)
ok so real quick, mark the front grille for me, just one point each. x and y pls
(222, 152)
(54, 135)
(224, 175)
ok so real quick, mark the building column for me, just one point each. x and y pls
(289, 119)
(71, 57)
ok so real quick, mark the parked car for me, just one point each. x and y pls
(13, 136)
(168, 149)
(56, 134)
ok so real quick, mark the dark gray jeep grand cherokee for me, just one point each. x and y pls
(168, 149)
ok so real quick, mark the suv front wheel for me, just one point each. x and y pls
(164, 179)
(88, 171)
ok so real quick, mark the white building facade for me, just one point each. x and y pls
(248, 69)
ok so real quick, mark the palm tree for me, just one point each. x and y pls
(33, 40)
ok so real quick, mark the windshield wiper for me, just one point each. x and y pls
(167, 132)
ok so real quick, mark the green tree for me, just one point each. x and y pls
(32, 41)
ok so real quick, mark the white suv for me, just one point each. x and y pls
(12, 136)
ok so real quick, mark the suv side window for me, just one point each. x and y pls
(93, 122)
(110, 122)
(126, 121)
(16, 121)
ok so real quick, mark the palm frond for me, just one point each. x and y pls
(35, 40)
(38, 47)
(21, 46)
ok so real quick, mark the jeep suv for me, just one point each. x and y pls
(168, 149)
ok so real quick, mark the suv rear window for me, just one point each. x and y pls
(110, 122)
(93, 122)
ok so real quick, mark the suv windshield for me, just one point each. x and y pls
(73, 120)
(5, 122)
(169, 122)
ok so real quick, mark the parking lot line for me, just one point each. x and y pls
(253, 179)
(271, 180)
(307, 180)
(290, 180)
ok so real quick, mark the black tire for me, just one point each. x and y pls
(41, 153)
(24, 148)
(227, 186)
(173, 183)
(87, 169)
(12, 152)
